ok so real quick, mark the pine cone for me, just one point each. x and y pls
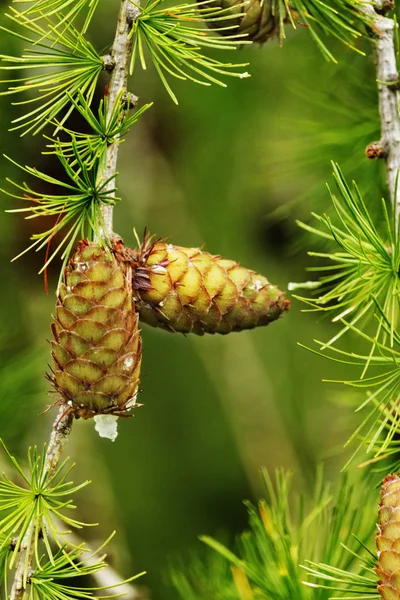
(191, 291)
(256, 18)
(388, 539)
(96, 349)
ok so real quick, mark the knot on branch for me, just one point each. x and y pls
(393, 82)
(132, 13)
(376, 150)
(129, 100)
(108, 63)
(29, 576)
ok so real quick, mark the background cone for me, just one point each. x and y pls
(258, 19)
(97, 345)
(388, 539)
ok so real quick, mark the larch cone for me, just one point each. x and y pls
(96, 349)
(188, 290)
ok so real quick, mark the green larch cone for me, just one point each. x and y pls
(255, 18)
(191, 291)
(388, 539)
(96, 348)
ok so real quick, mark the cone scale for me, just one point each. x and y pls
(388, 539)
(188, 290)
(96, 349)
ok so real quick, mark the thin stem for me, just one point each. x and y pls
(61, 429)
(120, 55)
(389, 97)
(59, 435)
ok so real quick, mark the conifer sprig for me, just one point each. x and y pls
(107, 128)
(343, 19)
(51, 579)
(67, 64)
(176, 42)
(67, 10)
(377, 575)
(281, 535)
(379, 428)
(36, 505)
(350, 586)
(77, 209)
(388, 460)
(363, 270)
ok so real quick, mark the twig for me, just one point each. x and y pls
(59, 435)
(120, 57)
(61, 429)
(388, 89)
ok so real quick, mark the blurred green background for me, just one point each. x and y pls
(231, 169)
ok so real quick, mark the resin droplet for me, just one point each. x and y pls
(106, 426)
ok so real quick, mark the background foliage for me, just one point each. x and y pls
(231, 169)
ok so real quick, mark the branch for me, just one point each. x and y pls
(59, 435)
(118, 62)
(389, 97)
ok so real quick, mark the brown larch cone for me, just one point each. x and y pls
(96, 348)
(388, 539)
(191, 291)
